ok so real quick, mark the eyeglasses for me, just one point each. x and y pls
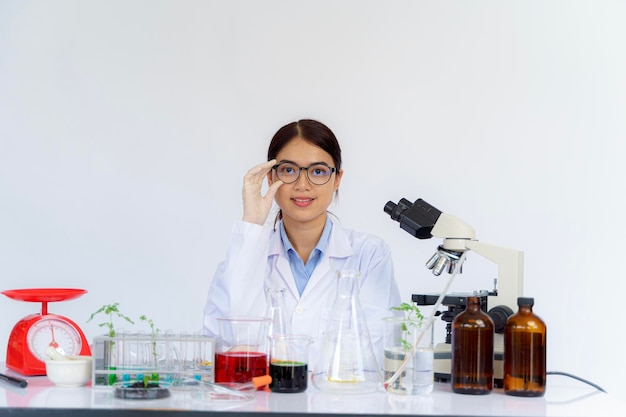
(318, 174)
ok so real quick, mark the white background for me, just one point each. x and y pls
(126, 127)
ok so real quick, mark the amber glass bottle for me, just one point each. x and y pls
(472, 350)
(525, 352)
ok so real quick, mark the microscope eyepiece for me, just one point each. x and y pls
(389, 209)
(417, 218)
(396, 211)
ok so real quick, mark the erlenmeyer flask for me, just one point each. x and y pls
(346, 362)
(276, 312)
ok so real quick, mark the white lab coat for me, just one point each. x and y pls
(256, 261)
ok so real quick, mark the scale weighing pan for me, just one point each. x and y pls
(44, 294)
(32, 335)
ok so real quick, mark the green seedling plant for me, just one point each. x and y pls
(413, 318)
(111, 311)
(154, 331)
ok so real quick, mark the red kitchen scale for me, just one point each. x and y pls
(32, 335)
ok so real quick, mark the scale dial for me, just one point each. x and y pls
(55, 332)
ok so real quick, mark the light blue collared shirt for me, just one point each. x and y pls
(300, 271)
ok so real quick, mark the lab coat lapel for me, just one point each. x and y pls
(282, 264)
(338, 249)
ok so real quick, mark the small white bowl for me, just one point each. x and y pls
(71, 373)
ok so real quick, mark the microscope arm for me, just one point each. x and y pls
(510, 270)
(458, 236)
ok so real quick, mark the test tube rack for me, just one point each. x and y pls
(168, 358)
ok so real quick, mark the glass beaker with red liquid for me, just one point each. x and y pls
(242, 350)
(289, 358)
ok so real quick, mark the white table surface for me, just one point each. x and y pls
(564, 397)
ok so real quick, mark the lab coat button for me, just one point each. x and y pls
(299, 309)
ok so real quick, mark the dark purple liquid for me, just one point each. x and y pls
(288, 376)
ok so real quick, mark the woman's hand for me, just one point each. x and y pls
(256, 207)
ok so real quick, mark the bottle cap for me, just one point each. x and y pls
(525, 301)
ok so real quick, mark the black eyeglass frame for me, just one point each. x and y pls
(300, 169)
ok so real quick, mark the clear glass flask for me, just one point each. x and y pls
(276, 312)
(346, 362)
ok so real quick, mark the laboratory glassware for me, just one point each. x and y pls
(289, 359)
(472, 350)
(242, 350)
(401, 335)
(276, 311)
(346, 362)
(525, 352)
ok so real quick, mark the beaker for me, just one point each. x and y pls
(401, 334)
(289, 358)
(242, 350)
(346, 362)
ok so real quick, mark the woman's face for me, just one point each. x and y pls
(302, 201)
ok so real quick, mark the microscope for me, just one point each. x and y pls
(424, 221)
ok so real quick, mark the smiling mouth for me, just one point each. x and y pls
(302, 201)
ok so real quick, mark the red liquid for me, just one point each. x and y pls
(239, 366)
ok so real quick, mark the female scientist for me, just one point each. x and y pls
(304, 247)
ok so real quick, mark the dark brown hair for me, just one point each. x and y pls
(312, 131)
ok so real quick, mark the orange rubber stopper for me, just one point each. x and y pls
(261, 381)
